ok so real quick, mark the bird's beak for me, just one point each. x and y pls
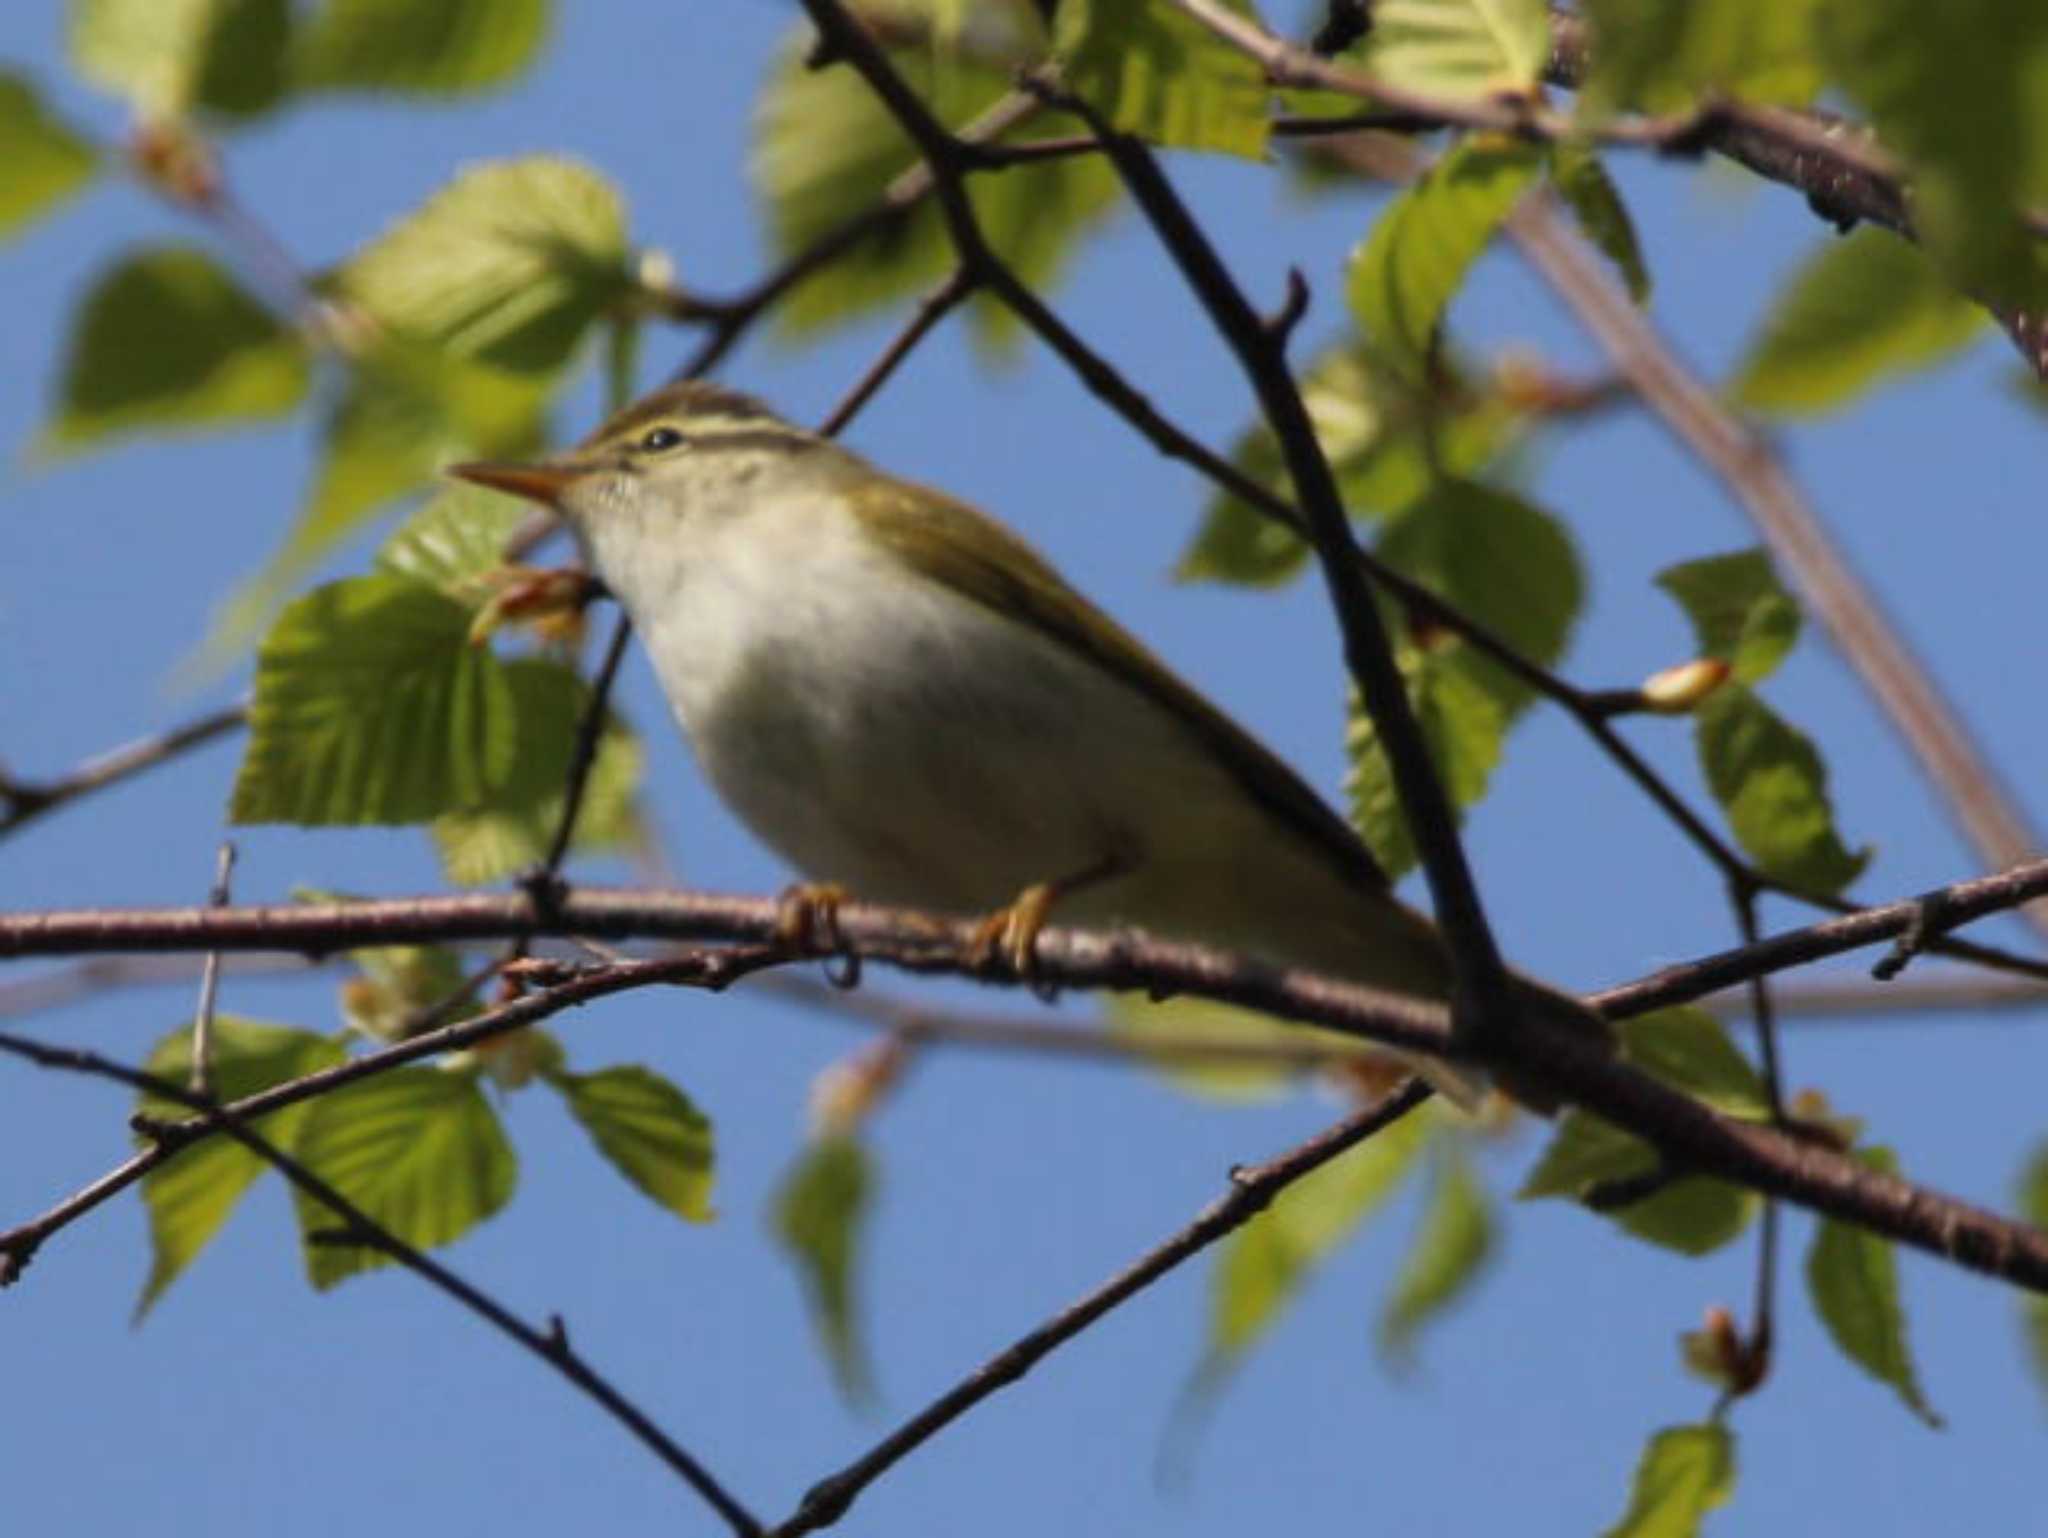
(543, 483)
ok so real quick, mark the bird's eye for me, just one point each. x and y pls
(657, 439)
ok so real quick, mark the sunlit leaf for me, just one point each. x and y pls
(1456, 48)
(1960, 92)
(1264, 1263)
(419, 1150)
(443, 49)
(1694, 1216)
(1771, 782)
(652, 1133)
(512, 830)
(825, 150)
(371, 707)
(508, 265)
(820, 1210)
(1455, 1242)
(189, 1196)
(1669, 55)
(1740, 611)
(1868, 306)
(1589, 192)
(166, 341)
(453, 540)
(1386, 442)
(1690, 1050)
(47, 161)
(170, 56)
(1159, 74)
(1403, 276)
(1508, 565)
(1685, 1472)
(1852, 1276)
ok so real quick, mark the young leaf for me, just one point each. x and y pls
(458, 536)
(508, 265)
(1456, 1240)
(1690, 1050)
(1771, 782)
(1670, 55)
(1739, 610)
(190, 1196)
(1161, 75)
(1148, 1025)
(1582, 181)
(46, 161)
(819, 1213)
(1686, 1472)
(1867, 306)
(418, 1149)
(825, 150)
(170, 56)
(650, 1131)
(1403, 276)
(1387, 444)
(2034, 1208)
(444, 49)
(166, 340)
(1264, 1263)
(1694, 1216)
(1507, 564)
(371, 706)
(1852, 1276)
(1457, 48)
(1960, 92)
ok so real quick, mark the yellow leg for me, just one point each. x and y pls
(1011, 932)
(807, 917)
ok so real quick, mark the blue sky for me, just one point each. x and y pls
(247, 1403)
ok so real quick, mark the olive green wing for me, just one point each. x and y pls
(974, 555)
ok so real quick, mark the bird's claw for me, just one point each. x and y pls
(1010, 934)
(807, 918)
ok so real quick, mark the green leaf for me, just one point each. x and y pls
(1852, 1276)
(1771, 782)
(456, 538)
(1867, 306)
(1386, 443)
(1671, 55)
(165, 340)
(1589, 192)
(1456, 1240)
(2034, 1208)
(1265, 1262)
(1740, 611)
(1686, 1472)
(419, 1150)
(819, 1212)
(652, 1133)
(1159, 74)
(1694, 1216)
(1960, 92)
(1457, 48)
(1508, 565)
(397, 984)
(1404, 274)
(190, 1195)
(371, 706)
(170, 56)
(1154, 1026)
(1690, 1050)
(445, 49)
(508, 265)
(513, 827)
(47, 162)
(825, 150)
(404, 414)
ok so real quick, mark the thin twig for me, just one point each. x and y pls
(551, 1347)
(932, 309)
(25, 800)
(1251, 1190)
(209, 982)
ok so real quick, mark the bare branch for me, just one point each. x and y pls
(26, 800)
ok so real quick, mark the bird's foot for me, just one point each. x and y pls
(1010, 934)
(807, 918)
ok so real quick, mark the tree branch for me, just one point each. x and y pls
(26, 800)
